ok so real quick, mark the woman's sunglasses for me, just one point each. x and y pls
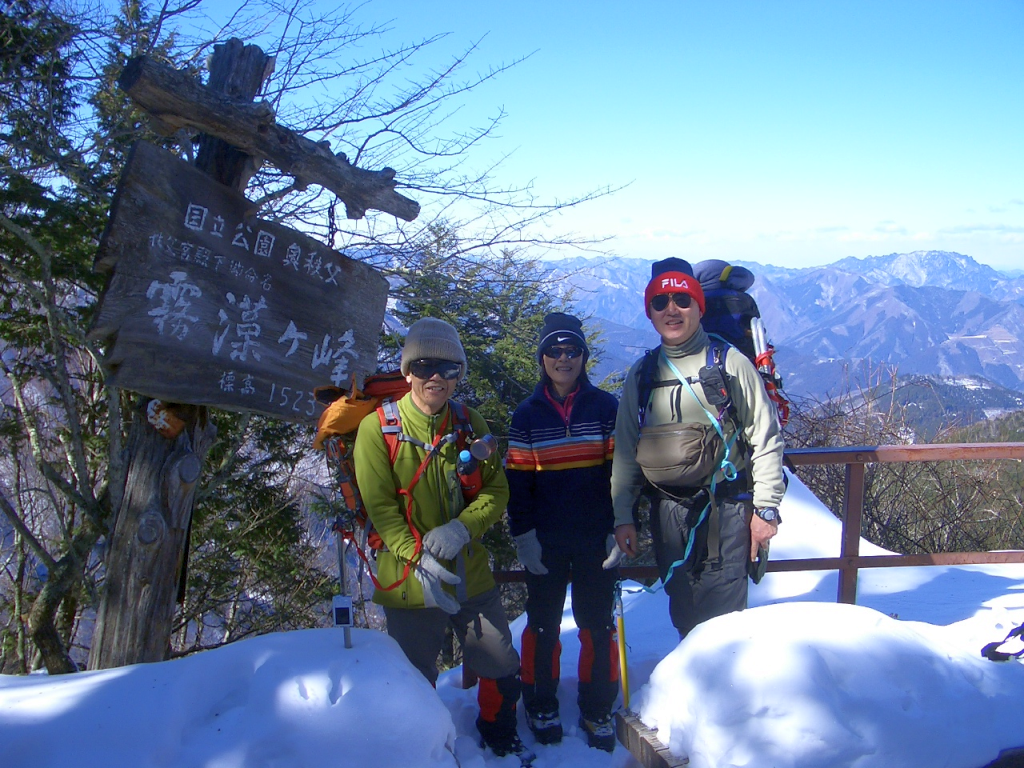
(554, 352)
(660, 302)
(426, 368)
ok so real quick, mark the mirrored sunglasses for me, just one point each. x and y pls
(426, 368)
(555, 352)
(660, 302)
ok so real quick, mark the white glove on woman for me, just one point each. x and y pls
(528, 552)
(614, 553)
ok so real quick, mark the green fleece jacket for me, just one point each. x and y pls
(437, 499)
(670, 404)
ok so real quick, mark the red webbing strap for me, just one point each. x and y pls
(407, 492)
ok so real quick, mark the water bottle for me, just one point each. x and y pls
(467, 462)
(468, 469)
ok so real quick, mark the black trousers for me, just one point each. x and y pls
(713, 580)
(593, 596)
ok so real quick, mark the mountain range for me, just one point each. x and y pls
(927, 313)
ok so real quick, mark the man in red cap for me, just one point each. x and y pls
(697, 434)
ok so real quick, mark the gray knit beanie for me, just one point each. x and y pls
(429, 337)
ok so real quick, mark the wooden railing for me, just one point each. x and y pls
(850, 560)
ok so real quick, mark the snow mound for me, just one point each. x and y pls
(824, 685)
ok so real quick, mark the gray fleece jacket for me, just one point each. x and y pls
(755, 413)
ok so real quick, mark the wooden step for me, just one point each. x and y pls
(643, 743)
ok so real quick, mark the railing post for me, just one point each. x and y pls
(853, 509)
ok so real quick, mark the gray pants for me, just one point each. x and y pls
(481, 628)
(718, 584)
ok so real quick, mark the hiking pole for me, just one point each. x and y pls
(765, 362)
(620, 620)
(760, 335)
(342, 602)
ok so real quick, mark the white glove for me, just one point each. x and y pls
(431, 573)
(446, 541)
(614, 553)
(528, 552)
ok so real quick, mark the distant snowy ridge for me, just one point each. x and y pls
(926, 312)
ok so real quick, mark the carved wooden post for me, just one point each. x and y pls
(147, 549)
(237, 71)
(149, 546)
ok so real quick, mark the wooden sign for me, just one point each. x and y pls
(209, 305)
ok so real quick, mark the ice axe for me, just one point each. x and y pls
(620, 621)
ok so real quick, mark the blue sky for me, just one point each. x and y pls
(792, 133)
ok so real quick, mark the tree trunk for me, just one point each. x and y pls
(60, 582)
(21, 652)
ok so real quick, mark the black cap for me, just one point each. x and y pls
(671, 264)
(560, 328)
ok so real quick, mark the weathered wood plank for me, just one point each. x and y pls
(905, 453)
(180, 100)
(643, 743)
(209, 305)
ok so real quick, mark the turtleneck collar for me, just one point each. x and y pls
(694, 344)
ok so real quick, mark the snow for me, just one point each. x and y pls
(796, 680)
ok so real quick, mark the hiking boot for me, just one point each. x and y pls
(600, 732)
(546, 726)
(509, 745)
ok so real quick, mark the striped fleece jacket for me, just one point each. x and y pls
(553, 456)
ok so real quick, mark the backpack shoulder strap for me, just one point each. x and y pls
(390, 426)
(462, 424)
(645, 382)
(714, 379)
(460, 416)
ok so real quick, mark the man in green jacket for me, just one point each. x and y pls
(450, 579)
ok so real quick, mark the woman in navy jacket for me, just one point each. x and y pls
(560, 513)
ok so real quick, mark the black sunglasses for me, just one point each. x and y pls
(660, 302)
(426, 368)
(555, 352)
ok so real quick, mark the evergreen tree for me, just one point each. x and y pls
(55, 495)
(254, 564)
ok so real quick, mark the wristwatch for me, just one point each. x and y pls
(769, 514)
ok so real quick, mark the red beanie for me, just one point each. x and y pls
(673, 282)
